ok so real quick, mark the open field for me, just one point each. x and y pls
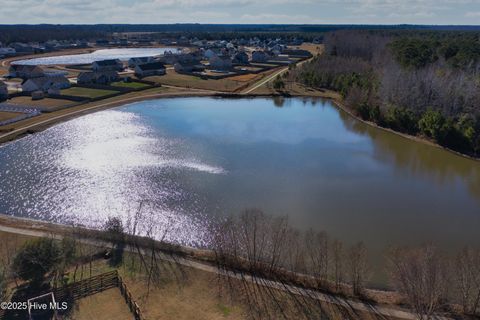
(87, 92)
(313, 48)
(47, 102)
(106, 305)
(245, 77)
(132, 85)
(182, 80)
(194, 298)
(8, 115)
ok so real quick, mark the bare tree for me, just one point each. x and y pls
(359, 267)
(420, 274)
(338, 261)
(467, 276)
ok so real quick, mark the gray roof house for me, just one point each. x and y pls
(44, 84)
(150, 69)
(240, 58)
(133, 62)
(107, 65)
(260, 56)
(25, 71)
(220, 62)
(188, 67)
(100, 77)
(3, 91)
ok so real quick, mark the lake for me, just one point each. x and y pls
(179, 163)
(104, 54)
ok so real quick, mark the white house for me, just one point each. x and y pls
(45, 83)
(150, 69)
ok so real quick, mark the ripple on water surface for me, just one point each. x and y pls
(100, 165)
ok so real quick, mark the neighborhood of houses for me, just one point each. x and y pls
(213, 59)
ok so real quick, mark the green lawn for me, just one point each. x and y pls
(87, 92)
(133, 85)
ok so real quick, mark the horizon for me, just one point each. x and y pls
(327, 12)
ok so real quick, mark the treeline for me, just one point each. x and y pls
(424, 83)
(42, 33)
(278, 271)
(260, 248)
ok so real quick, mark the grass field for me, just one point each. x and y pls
(106, 305)
(87, 92)
(8, 115)
(133, 84)
(183, 80)
(47, 102)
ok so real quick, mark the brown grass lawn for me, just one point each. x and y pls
(245, 77)
(182, 80)
(313, 48)
(47, 102)
(87, 92)
(106, 305)
(132, 85)
(8, 115)
(195, 298)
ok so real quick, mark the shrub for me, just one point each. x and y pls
(36, 258)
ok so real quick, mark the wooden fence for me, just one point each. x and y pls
(90, 286)
(134, 308)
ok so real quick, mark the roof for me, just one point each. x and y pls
(111, 62)
(90, 75)
(43, 80)
(141, 58)
(151, 66)
(25, 68)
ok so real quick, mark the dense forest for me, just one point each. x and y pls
(44, 32)
(424, 83)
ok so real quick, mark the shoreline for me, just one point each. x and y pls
(192, 92)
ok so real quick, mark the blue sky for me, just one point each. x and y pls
(241, 11)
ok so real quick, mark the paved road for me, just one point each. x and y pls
(263, 81)
(348, 304)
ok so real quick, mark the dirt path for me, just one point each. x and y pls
(349, 304)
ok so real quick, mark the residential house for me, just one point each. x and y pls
(44, 84)
(133, 62)
(101, 77)
(150, 69)
(107, 65)
(7, 52)
(25, 71)
(22, 48)
(209, 53)
(3, 91)
(220, 62)
(188, 67)
(240, 58)
(260, 56)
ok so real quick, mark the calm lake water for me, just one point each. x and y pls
(105, 54)
(178, 163)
